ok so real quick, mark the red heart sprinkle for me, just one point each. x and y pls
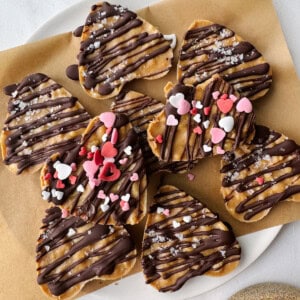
(98, 159)
(47, 176)
(194, 111)
(60, 184)
(224, 96)
(82, 151)
(260, 180)
(225, 105)
(90, 155)
(197, 130)
(159, 139)
(108, 150)
(109, 172)
(206, 110)
(72, 179)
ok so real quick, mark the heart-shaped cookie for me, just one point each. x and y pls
(43, 119)
(184, 239)
(257, 176)
(117, 47)
(141, 110)
(111, 170)
(71, 253)
(210, 49)
(201, 132)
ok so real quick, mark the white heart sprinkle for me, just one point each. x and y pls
(45, 195)
(106, 200)
(199, 105)
(47, 248)
(80, 188)
(63, 171)
(206, 124)
(175, 224)
(97, 44)
(53, 193)
(227, 123)
(59, 195)
(104, 137)
(94, 148)
(125, 197)
(128, 150)
(197, 118)
(160, 210)
(175, 99)
(206, 148)
(104, 207)
(171, 37)
(187, 219)
(71, 232)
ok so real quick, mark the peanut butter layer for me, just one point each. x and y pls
(117, 47)
(258, 176)
(184, 239)
(43, 119)
(209, 49)
(103, 179)
(71, 253)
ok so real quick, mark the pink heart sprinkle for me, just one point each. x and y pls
(206, 110)
(134, 177)
(215, 95)
(220, 150)
(113, 197)
(94, 182)
(123, 161)
(260, 180)
(64, 213)
(74, 167)
(101, 195)
(183, 107)
(124, 205)
(217, 135)
(108, 118)
(90, 168)
(233, 97)
(244, 105)
(72, 179)
(190, 176)
(197, 130)
(166, 212)
(114, 136)
(172, 121)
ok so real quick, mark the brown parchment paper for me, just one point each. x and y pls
(21, 207)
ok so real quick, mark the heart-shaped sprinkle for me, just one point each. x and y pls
(160, 210)
(197, 104)
(108, 150)
(233, 97)
(197, 118)
(94, 148)
(225, 105)
(47, 176)
(45, 195)
(125, 197)
(80, 188)
(159, 139)
(166, 212)
(113, 197)
(220, 150)
(55, 175)
(108, 119)
(82, 151)
(71, 232)
(64, 213)
(104, 137)
(244, 105)
(73, 179)
(187, 219)
(216, 95)
(101, 194)
(206, 148)
(260, 180)
(109, 172)
(104, 207)
(60, 184)
(206, 124)
(128, 150)
(175, 224)
(175, 99)
(53, 193)
(226, 123)
(193, 111)
(124, 205)
(190, 176)
(114, 136)
(172, 121)
(217, 135)
(90, 168)
(206, 110)
(63, 171)
(123, 161)
(197, 130)
(94, 182)
(134, 177)
(184, 107)
(59, 195)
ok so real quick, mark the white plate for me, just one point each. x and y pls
(133, 287)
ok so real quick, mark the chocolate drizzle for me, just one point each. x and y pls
(270, 156)
(103, 248)
(87, 204)
(199, 244)
(106, 65)
(37, 117)
(214, 49)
